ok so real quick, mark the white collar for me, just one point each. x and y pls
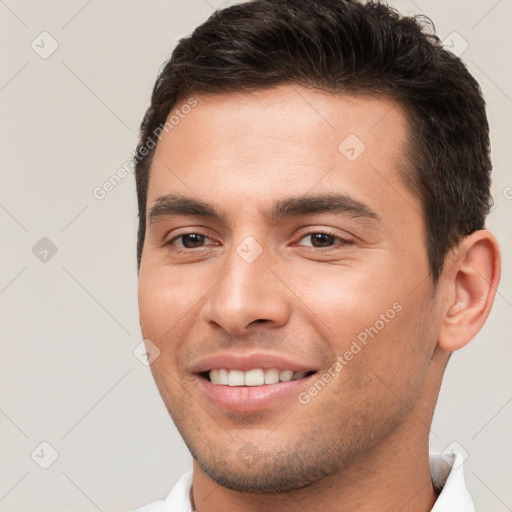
(445, 468)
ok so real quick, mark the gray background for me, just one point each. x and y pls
(69, 320)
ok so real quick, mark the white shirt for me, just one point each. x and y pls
(445, 469)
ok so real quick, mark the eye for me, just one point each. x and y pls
(317, 240)
(188, 240)
(323, 239)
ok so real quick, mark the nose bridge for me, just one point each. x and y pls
(248, 290)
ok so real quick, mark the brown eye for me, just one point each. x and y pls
(189, 240)
(319, 240)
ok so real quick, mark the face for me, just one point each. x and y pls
(285, 281)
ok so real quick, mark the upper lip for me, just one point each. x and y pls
(250, 360)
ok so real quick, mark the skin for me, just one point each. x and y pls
(362, 442)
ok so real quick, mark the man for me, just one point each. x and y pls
(313, 179)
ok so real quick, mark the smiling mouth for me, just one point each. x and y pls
(253, 377)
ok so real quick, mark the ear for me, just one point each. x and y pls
(470, 279)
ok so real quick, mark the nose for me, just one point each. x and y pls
(247, 295)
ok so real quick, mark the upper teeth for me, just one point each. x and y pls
(255, 377)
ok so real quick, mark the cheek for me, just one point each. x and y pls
(341, 301)
(163, 320)
(164, 299)
(153, 300)
(373, 322)
(398, 353)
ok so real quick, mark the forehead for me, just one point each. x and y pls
(242, 148)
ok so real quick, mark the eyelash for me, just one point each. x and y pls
(341, 241)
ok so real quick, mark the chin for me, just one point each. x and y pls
(277, 473)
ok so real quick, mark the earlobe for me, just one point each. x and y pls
(471, 280)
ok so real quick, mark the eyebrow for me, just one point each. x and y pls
(308, 204)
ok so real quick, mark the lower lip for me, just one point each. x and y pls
(251, 398)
